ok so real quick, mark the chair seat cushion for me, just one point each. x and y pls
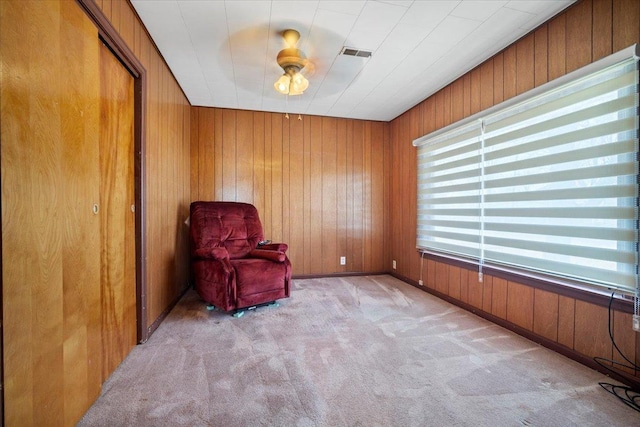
(257, 278)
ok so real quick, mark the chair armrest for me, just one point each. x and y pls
(271, 255)
(280, 247)
(211, 253)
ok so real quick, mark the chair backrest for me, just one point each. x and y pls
(232, 225)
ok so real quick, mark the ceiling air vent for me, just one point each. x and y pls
(349, 51)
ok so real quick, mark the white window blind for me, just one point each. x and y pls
(548, 183)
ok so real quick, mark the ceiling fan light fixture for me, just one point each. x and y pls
(292, 60)
(291, 83)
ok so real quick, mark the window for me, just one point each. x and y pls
(545, 183)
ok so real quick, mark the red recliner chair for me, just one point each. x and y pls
(234, 268)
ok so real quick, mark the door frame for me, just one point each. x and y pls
(110, 37)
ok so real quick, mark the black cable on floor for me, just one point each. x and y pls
(625, 394)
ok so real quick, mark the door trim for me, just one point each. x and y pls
(110, 37)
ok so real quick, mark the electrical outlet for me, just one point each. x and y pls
(636, 322)
(394, 264)
(420, 282)
(343, 260)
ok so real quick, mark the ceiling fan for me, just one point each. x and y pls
(292, 60)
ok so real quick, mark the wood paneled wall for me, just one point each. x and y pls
(52, 348)
(318, 183)
(585, 32)
(167, 164)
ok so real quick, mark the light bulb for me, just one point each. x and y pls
(282, 84)
(298, 84)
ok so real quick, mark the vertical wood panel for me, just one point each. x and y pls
(486, 85)
(602, 29)
(106, 8)
(626, 23)
(578, 35)
(410, 196)
(259, 162)
(520, 305)
(498, 78)
(152, 167)
(356, 263)
(454, 282)
(385, 237)
(329, 241)
(625, 338)
(296, 204)
(309, 244)
(429, 112)
(466, 107)
(366, 208)
(509, 71)
(446, 111)
(475, 91)
(350, 230)
(438, 108)
(212, 154)
(114, 16)
(207, 133)
(276, 178)
(541, 54)
(499, 298)
(566, 320)
(525, 51)
(315, 219)
(195, 158)
(401, 255)
(244, 156)
(457, 110)
(464, 286)
(545, 314)
(378, 180)
(286, 182)
(487, 293)
(268, 172)
(591, 338)
(160, 283)
(341, 189)
(557, 47)
(474, 289)
(229, 163)
(442, 278)
(126, 31)
(431, 274)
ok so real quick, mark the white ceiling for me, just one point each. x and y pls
(223, 53)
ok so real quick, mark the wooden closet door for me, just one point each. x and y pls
(117, 218)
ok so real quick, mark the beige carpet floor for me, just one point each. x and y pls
(357, 351)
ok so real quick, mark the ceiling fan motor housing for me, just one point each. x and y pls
(291, 58)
